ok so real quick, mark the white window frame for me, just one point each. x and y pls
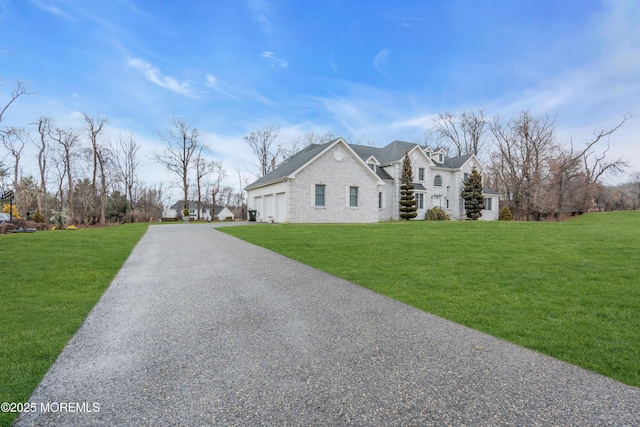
(316, 194)
(488, 204)
(350, 194)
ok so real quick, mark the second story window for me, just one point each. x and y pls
(437, 181)
(420, 174)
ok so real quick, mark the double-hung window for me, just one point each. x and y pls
(420, 174)
(420, 200)
(353, 197)
(487, 203)
(320, 191)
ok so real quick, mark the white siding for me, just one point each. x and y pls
(262, 199)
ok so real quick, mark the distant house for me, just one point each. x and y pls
(341, 182)
(207, 213)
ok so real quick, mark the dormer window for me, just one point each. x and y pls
(440, 158)
(372, 166)
(437, 181)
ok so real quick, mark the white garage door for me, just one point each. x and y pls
(268, 207)
(281, 208)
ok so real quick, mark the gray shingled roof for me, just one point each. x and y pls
(290, 165)
(394, 151)
(388, 154)
(454, 162)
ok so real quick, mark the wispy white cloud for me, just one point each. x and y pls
(154, 75)
(219, 86)
(333, 65)
(380, 60)
(273, 60)
(262, 13)
(408, 21)
(50, 7)
(232, 92)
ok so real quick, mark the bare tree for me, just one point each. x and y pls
(44, 131)
(263, 143)
(94, 128)
(214, 183)
(203, 167)
(68, 142)
(596, 164)
(240, 203)
(302, 142)
(103, 156)
(19, 90)
(4, 172)
(14, 140)
(181, 142)
(563, 183)
(634, 185)
(148, 202)
(523, 147)
(463, 134)
(126, 162)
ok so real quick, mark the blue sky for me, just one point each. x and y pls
(354, 68)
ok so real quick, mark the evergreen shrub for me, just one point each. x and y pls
(436, 214)
(505, 214)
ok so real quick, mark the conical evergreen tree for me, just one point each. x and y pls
(472, 195)
(408, 207)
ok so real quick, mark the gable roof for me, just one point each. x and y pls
(290, 165)
(293, 164)
(455, 162)
(395, 151)
(386, 155)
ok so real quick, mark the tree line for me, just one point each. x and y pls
(538, 175)
(86, 176)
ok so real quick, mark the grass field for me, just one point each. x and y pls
(50, 281)
(570, 290)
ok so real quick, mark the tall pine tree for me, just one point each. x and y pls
(472, 195)
(408, 207)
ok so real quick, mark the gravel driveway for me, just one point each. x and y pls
(228, 333)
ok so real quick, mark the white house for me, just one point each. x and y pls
(206, 212)
(341, 182)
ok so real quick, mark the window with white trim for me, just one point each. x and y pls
(420, 200)
(353, 197)
(380, 200)
(320, 191)
(487, 204)
(420, 174)
(437, 181)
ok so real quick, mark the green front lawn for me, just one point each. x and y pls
(570, 290)
(50, 280)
